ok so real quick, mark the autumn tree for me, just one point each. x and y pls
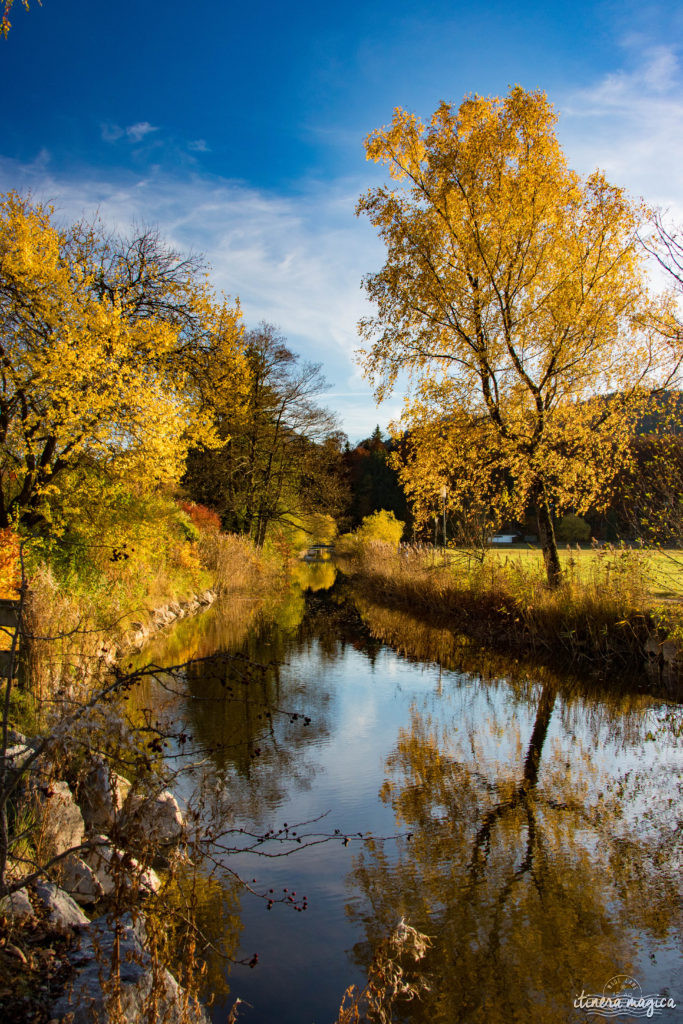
(5, 23)
(281, 457)
(512, 297)
(113, 354)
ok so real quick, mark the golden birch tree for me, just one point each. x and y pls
(5, 23)
(105, 359)
(512, 298)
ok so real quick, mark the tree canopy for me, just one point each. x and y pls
(513, 296)
(280, 458)
(112, 352)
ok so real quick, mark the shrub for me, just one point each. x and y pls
(204, 519)
(383, 526)
(573, 529)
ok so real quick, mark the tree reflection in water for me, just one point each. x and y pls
(543, 852)
(536, 872)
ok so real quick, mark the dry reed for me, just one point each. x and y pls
(601, 616)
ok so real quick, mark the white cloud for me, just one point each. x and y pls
(198, 146)
(134, 132)
(630, 124)
(294, 261)
(111, 132)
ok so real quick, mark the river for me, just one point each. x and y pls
(526, 821)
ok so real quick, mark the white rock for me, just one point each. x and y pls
(80, 881)
(16, 906)
(17, 755)
(109, 864)
(102, 796)
(62, 910)
(158, 818)
(60, 822)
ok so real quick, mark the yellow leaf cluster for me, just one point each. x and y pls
(89, 373)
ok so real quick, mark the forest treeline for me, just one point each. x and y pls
(140, 420)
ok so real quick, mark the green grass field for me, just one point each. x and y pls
(661, 570)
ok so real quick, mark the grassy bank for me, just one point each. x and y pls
(606, 613)
(91, 586)
(660, 570)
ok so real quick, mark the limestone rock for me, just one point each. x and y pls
(102, 796)
(109, 863)
(16, 906)
(92, 962)
(159, 818)
(80, 881)
(62, 910)
(60, 822)
(17, 755)
(162, 617)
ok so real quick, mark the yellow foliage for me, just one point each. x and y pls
(9, 564)
(513, 296)
(5, 23)
(92, 373)
(380, 526)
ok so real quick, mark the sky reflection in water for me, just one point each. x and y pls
(544, 815)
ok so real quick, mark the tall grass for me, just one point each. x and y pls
(599, 614)
(235, 565)
(72, 620)
(64, 640)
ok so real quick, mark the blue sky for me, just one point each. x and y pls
(238, 129)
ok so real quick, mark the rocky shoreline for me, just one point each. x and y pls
(89, 834)
(105, 841)
(139, 633)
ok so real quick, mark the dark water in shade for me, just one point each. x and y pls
(544, 816)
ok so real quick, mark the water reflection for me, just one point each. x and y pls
(315, 575)
(249, 715)
(535, 870)
(543, 809)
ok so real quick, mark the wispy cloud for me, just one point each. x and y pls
(133, 133)
(293, 261)
(630, 124)
(198, 146)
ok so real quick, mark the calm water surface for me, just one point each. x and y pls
(529, 824)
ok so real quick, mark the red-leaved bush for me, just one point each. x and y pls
(205, 519)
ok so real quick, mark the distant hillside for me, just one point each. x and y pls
(665, 416)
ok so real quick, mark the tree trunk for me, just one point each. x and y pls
(540, 731)
(261, 527)
(546, 535)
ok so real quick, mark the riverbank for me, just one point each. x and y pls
(605, 618)
(74, 794)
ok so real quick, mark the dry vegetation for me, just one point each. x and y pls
(603, 613)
